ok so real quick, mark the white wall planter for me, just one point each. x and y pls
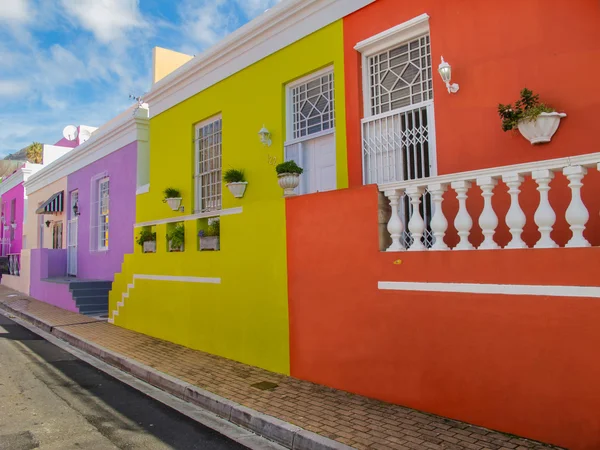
(149, 247)
(208, 243)
(288, 182)
(237, 189)
(541, 130)
(174, 203)
(175, 249)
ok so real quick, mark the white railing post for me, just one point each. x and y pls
(463, 222)
(515, 217)
(544, 217)
(395, 226)
(577, 214)
(439, 223)
(416, 224)
(488, 220)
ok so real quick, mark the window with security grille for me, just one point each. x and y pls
(401, 76)
(312, 106)
(100, 206)
(208, 165)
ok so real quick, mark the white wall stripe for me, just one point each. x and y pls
(218, 213)
(500, 289)
(179, 279)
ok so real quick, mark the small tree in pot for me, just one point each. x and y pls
(536, 121)
(172, 196)
(211, 238)
(235, 182)
(176, 238)
(147, 240)
(288, 176)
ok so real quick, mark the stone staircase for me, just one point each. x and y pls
(91, 297)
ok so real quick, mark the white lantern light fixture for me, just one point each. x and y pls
(445, 71)
(265, 137)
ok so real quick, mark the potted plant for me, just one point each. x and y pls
(288, 175)
(536, 121)
(235, 182)
(147, 240)
(172, 197)
(176, 238)
(210, 239)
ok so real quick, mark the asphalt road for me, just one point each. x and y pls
(51, 400)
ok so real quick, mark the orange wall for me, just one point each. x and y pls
(526, 365)
(495, 49)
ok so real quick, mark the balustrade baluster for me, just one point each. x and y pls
(463, 222)
(577, 214)
(544, 217)
(439, 223)
(395, 226)
(416, 225)
(515, 218)
(488, 220)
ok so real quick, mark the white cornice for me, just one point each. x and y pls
(284, 24)
(112, 136)
(400, 33)
(18, 177)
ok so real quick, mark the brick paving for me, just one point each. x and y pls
(356, 421)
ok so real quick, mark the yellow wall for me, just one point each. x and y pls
(244, 318)
(31, 227)
(165, 61)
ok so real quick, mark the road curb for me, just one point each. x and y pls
(283, 433)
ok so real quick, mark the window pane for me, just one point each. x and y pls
(313, 100)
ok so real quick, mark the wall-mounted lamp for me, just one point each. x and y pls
(76, 209)
(48, 223)
(13, 225)
(445, 71)
(265, 137)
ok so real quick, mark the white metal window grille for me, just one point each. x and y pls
(209, 140)
(401, 76)
(100, 213)
(312, 104)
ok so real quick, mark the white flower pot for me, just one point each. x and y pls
(237, 189)
(288, 182)
(210, 243)
(149, 247)
(541, 129)
(175, 249)
(174, 203)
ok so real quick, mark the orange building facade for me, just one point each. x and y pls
(504, 338)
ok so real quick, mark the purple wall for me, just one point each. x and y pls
(48, 263)
(17, 193)
(121, 167)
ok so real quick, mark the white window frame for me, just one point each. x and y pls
(197, 174)
(289, 107)
(102, 242)
(96, 239)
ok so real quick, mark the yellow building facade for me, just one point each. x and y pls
(233, 302)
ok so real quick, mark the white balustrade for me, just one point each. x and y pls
(395, 226)
(463, 222)
(439, 223)
(577, 214)
(488, 220)
(426, 197)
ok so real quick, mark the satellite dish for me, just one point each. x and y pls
(84, 136)
(70, 132)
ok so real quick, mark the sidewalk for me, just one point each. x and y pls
(245, 395)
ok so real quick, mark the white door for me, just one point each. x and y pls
(72, 237)
(318, 162)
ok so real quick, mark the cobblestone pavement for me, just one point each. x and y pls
(351, 419)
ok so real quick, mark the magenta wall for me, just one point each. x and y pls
(17, 193)
(121, 167)
(49, 263)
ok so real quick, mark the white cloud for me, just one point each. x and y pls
(109, 20)
(14, 11)
(12, 88)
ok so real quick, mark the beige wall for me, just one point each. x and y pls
(165, 61)
(31, 227)
(20, 283)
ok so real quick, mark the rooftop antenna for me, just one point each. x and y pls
(140, 102)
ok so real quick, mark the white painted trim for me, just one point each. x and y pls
(21, 175)
(279, 27)
(309, 137)
(110, 137)
(143, 189)
(222, 212)
(499, 289)
(178, 279)
(396, 35)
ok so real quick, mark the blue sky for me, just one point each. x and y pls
(76, 61)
